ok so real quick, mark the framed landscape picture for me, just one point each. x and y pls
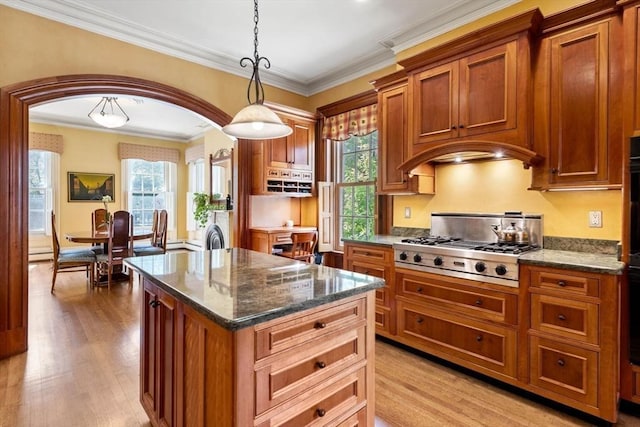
(90, 187)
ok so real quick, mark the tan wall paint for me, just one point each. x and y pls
(32, 47)
(90, 151)
(499, 186)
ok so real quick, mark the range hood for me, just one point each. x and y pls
(472, 150)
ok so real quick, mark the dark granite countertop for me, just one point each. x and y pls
(582, 261)
(378, 239)
(237, 288)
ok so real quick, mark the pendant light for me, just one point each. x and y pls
(256, 121)
(109, 113)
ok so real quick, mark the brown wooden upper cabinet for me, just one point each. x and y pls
(393, 140)
(578, 126)
(471, 96)
(284, 166)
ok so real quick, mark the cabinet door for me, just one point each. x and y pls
(277, 152)
(393, 140)
(579, 87)
(301, 143)
(435, 103)
(157, 354)
(488, 91)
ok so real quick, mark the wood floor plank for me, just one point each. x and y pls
(82, 370)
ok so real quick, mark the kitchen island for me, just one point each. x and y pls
(233, 337)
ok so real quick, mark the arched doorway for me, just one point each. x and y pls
(15, 101)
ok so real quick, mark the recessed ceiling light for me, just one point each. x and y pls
(499, 155)
(458, 159)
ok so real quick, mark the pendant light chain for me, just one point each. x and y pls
(255, 62)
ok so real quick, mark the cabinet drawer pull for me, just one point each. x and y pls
(453, 128)
(562, 283)
(321, 365)
(320, 412)
(461, 126)
(479, 302)
(479, 338)
(419, 289)
(419, 320)
(320, 325)
(366, 272)
(562, 317)
(154, 303)
(560, 362)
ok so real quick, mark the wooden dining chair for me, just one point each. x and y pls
(158, 244)
(99, 225)
(302, 246)
(119, 245)
(69, 260)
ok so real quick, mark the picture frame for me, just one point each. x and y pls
(90, 187)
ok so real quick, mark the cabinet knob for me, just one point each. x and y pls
(560, 362)
(154, 303)
(553, 171)
(479, 338)
(453, 128)
(562, 283)
(478, 302)
(419, 320)
(419, 289)
(320, 325)
(461, 126)
(320, 412)
(321, 365)
(562, 317)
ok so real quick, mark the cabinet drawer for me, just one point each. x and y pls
(383, 320)
(578, 284)
(485, 304)
(564, 369)
(369, 253)
(280, 238)
(359, 419)
(291, 372)
(320, 406)
(275, 336)
(572, 319)
(382, 294)
(488, 345)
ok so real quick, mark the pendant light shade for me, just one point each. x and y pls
(256, 121)
(109, 113)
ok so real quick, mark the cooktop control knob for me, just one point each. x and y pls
(501, 270)
(438, 260)
(417, 258)
(480, 267)
(403, 256)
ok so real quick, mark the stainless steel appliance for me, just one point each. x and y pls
(465, 245)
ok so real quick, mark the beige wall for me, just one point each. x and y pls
(90, 151)
(498, 186)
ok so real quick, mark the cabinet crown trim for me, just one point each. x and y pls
(530, 21)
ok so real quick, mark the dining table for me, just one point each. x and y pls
(102, 237)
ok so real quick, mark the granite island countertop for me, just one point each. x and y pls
(581, 261)
(237, 288)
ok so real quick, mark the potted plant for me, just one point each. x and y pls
(202, 208)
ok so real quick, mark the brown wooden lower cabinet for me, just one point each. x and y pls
(312, 367)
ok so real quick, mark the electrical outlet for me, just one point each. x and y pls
(595, 219)
(407, 212)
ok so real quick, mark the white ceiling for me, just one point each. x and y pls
(312, 45)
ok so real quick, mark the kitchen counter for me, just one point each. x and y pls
(378, 239)
(581, 261)
(237, 288)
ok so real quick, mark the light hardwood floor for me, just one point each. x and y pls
(82, 370)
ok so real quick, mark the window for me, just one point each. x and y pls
(196, 185)
(150, 187)
(356, 171)
(41, 187)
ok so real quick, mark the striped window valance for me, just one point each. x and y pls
(194, 153)
(46, 142)
(149, 153)
(360, 121)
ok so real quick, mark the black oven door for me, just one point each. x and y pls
(634, 315)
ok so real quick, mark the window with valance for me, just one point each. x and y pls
(360, 121)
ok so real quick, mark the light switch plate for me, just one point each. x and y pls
(595, 219)
(407, 212)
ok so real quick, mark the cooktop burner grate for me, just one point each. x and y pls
(429, 240)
